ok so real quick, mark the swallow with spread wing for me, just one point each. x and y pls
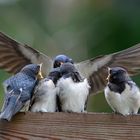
(14, 56)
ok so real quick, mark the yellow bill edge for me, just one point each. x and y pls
(40, 76)
(108, 77)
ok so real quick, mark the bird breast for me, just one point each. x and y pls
(45, 97)
(73, 95)
(125, 102)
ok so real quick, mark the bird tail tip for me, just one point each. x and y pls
(6, 116)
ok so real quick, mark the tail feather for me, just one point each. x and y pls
(8, 112)
(13, 106)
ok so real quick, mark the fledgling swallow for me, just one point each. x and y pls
(45, 95)
(18, 90)
(60, 59)
(121, 93)
(73, 89)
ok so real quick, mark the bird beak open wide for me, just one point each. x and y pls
(40, 76)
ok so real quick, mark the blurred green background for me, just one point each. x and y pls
(81, 29)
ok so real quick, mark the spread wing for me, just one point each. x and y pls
(14, 56)
(96, 69)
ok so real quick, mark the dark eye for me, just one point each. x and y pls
(58, 64)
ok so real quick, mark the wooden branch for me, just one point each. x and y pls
(38, 126)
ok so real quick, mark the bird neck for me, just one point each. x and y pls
(54, 79)
(75, 76)
(119, 88)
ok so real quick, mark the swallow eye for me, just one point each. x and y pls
(58, 64)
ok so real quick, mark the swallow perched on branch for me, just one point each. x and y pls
(121, 93)
(14, 56)
(45, 95)
(73, 89)
(19, 89)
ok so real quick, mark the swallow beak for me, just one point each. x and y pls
(40, 76)
(108, 77)
(61, 63)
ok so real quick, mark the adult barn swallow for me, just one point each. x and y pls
(45, 95)
(73, 89)
(18, 90)
(121, 93)
(14, 56)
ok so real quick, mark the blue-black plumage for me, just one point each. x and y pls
(60, 59)
(18, 90)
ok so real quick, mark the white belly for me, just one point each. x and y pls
(128, 102)
(73, 95)
(45, 100)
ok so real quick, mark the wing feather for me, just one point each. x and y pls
(14, 56)
(96, 69)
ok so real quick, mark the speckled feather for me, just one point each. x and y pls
(23, 81)
(18, 90)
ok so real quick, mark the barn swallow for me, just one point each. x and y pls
(60, 59)
(14, 56)
(45, 95)
(73, 89)
(18, 90)
(121, 93)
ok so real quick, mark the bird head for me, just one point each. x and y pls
(60, 59)
(69, 70)
(117, 75)
(33, 70)
(54, 75)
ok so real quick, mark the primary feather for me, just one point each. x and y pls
(14, 56)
